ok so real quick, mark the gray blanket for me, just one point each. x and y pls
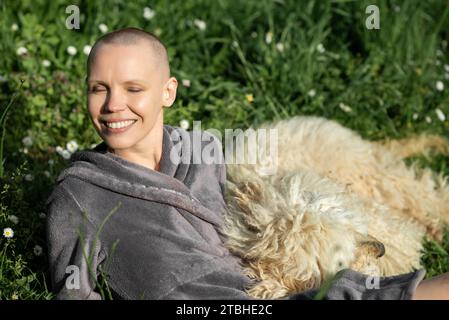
(156, 234)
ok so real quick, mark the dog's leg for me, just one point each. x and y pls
(417, 145)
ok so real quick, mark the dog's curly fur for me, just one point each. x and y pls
(335, 201)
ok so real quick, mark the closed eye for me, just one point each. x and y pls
(134, 90)
(97, 89)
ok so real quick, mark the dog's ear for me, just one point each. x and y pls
(369, 246)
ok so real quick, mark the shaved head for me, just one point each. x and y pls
(133, 36)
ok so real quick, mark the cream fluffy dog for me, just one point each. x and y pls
(335, 201)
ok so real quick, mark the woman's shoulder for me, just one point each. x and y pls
(66, 205)
(66, 192)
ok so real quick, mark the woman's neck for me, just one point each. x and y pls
(147, 152)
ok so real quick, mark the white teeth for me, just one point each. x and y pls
(118, 125)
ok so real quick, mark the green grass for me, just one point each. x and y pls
(387, 77)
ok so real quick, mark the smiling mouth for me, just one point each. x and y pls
(118, 125)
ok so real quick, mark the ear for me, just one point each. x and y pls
(169, 92)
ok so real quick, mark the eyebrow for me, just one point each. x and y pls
(135, 81)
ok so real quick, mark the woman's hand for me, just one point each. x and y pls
(436, 288)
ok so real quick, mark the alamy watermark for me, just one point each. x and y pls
(373, 280)
(254, 147)
(373, 20)
(73, 20)
(73, 280)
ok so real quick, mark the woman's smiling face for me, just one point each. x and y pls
(126, 82)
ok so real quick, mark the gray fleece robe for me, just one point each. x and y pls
(156, 234)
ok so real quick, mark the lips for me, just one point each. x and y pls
(117, 130)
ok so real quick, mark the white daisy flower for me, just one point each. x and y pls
(311, 93)
(446, 76)
(437, 62)
(25, 150)
(415, 116)
(439, 85)
(46, 63)
(268, 37)
(51, 161)
(254, 34)
(280, 47)
(446, 67)
(8, 233)
(37, 250)
(71, 50)
(184, 124)
(345, 107)
(440, 114)
(14, 27)
(14, 219)
(103, 28)
(320, 48)
(186, 83)
(21, 51)
(42, 215)
(47, 173)
(59, 149)
(72, 146)
(428, 119)
(148, 14)
(439, 53)
(86, 49)
(14, 296)
(66, 154)
(27, 141)
(29, 177)
(200, 24)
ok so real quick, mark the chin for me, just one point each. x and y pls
(119, 145)
(115, 142)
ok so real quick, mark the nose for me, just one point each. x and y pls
(115, 101)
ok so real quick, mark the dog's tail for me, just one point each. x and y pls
(417, 145)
